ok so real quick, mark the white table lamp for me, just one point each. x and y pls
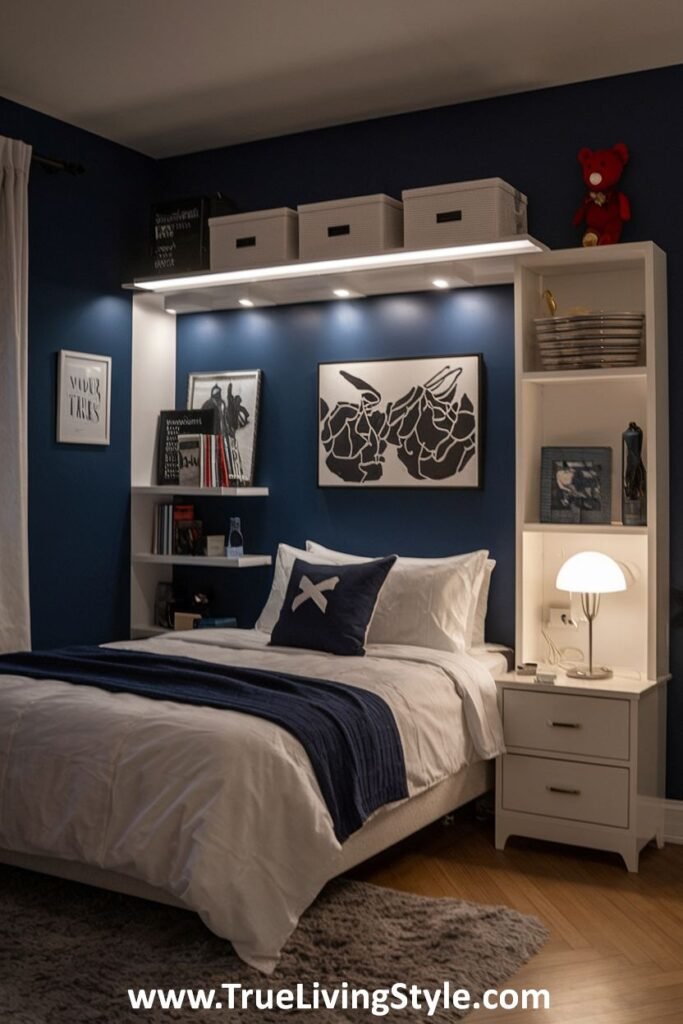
(590, 573)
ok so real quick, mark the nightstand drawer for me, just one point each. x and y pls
(567, 724)
(565, 789)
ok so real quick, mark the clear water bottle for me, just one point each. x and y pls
(235, 546)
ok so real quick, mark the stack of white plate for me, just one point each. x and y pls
(590, 340)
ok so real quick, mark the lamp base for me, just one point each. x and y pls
(598, 672)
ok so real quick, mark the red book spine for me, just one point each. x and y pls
(225, 480)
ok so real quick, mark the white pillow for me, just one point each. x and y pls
(479, 626)
(284, 560)
(428, 602)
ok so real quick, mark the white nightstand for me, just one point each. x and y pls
(584, 763)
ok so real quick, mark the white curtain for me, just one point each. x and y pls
(15, 621)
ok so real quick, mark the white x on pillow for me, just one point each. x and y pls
(314, 591)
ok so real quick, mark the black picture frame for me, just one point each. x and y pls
(576, 485)
(361, 403)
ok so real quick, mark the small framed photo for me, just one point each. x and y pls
(576, 485)
(83, 398)
(234, 397)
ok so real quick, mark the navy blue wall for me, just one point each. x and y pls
(85, 236)
(531, 140)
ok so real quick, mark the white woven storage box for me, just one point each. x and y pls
(464, 212)
(350, 227)
(253, 239)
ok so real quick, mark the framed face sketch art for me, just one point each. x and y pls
(83, 398)
(401, 422)
(235, 396)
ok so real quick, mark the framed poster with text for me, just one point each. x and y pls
(83, 398)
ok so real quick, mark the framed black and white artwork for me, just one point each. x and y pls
(576, 485)
(83, 398)
(409, 422)
(235, 395)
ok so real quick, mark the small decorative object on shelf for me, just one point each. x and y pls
(576, 485)
(589, 341)
(180, 232)
(185, 620)
(235, 546)
(633, 478)
(215, 545)
(604, 208)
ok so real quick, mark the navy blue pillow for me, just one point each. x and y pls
(329, 607)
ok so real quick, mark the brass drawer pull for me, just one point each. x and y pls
(562, 789)
(564, 725)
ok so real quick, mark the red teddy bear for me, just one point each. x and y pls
(604, 208)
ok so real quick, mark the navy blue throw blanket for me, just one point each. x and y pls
(349, 734)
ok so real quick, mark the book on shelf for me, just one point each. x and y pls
(176, 531)
(162, 539)
(190, 459)
(208, 460)
(187, 531)
(173, 423)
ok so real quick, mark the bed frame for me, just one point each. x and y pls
(387, 827)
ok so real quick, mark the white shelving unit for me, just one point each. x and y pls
(153, 389)
(585, 761)
(594, 407)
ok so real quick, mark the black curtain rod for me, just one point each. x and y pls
(53, 166)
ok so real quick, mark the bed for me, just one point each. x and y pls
(220, 812)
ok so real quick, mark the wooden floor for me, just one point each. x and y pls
(615, 955)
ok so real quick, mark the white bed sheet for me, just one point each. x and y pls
(220, 809)
(493, 657)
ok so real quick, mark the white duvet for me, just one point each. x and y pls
(219, 808)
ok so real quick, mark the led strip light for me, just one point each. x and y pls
(379, 261)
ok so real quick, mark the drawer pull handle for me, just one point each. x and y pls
(562, 789)
(564, 725)
(338, 229)
(246, 242)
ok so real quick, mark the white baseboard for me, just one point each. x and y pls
(673, 821)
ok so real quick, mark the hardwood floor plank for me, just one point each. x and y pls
(615, 955)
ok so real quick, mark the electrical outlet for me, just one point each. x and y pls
(561, 618)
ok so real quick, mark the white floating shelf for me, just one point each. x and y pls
(611, 528)
(579, 376)
(400, 270)
(201, 492)
(204, 561)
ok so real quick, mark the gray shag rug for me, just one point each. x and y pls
(69, 953)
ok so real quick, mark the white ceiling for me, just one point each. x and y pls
(175, 76)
